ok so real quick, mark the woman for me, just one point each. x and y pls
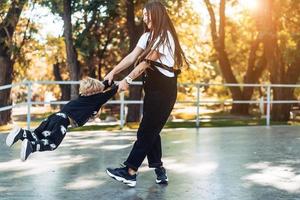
(157, 52)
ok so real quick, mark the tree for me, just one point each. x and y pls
(7, 56)
(70, 49)
(85, 45)
(134, 33)
(57, 59)
(101, 24)
(256, 64)
(65, 10)
(282, 70)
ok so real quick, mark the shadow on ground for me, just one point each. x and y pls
(245, 163)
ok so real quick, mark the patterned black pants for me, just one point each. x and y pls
(160, 97)
(49, 134)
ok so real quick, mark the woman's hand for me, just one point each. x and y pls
(123, 86)
(109, 77)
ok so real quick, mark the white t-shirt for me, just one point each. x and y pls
(167, 54)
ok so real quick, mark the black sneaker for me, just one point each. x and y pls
(161, 174)
(122, 175)
(26, 149)
(14, 135)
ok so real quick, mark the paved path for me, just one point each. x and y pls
(246, 163)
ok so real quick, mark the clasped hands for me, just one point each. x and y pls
(123, 85)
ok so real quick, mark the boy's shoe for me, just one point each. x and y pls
(26, 149)
(122, 175)
(161, 174)
(14, 135)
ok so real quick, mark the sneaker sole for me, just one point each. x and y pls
(12, 135)
(121, 179)
(23, 149)
(162, 181)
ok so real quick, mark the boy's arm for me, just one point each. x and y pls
(106, 84)
(103, 97)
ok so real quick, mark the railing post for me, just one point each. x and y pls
(122, 110)
(268, 105)
(198, 106)
(29, 91)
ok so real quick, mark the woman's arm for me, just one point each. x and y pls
(125, 63)
(138, 70)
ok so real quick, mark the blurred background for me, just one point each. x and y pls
(226, 41)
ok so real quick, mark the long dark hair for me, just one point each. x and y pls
(161, 24)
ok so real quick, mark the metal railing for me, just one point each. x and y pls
(122, 102)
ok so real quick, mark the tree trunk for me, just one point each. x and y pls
(91, 62)
(64, 88)
(6, 68)
(135, 92)
(102, 51)
(276, 71)
(280, 72)
(70, 49)
(274, 61)
(237, 109)
(281, 112)
(254, 71)
(291, 76)
(7, 29)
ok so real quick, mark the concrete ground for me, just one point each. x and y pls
(245, 163)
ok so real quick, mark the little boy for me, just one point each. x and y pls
(50, 133)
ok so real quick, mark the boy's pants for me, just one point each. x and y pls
(49, 134)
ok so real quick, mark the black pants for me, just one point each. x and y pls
(49, 134)
(160, 97)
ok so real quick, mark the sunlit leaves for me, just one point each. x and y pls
(94, 21)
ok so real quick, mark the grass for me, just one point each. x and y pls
(97, 127)
(183, 124)
(213, 120)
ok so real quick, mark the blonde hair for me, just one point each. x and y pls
(89, 86)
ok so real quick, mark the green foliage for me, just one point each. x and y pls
(4, 5)
(100, 34)
(56, 6)
(289, 33)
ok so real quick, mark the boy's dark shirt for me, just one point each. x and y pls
(84, 107)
